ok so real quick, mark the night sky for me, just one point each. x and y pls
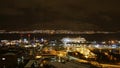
(81, 15)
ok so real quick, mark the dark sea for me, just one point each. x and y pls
(88, 37)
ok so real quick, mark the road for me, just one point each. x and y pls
(69, 65)
(95, 63)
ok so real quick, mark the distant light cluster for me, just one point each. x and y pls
(56, 32)
(74, 40)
